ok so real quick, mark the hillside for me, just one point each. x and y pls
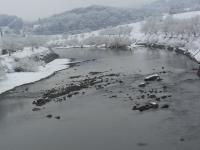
(13, 22)
(88, 19)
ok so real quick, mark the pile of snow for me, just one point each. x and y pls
(24, 58)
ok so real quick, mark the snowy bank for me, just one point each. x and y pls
(28, 66)
(20, 78)
(185, 41)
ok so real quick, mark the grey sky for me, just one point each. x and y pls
(33, 9)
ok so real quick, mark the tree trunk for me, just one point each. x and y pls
(198, 73)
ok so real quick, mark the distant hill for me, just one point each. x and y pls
(88, 19)
(13, 22)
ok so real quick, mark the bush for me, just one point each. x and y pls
(26, 65)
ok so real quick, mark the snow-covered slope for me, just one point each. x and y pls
(187, 15)
(15, 79)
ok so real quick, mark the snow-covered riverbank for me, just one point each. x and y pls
(101, 38)
(14, 79)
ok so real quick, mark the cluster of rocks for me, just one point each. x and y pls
(152, 96)
(150, 105)
(51, 116)
(94, 79)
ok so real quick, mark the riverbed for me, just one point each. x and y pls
(103, 118)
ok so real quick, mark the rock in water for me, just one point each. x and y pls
(152, 77)
(142, 84)
(148, 106)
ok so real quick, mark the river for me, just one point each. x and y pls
(95, 121)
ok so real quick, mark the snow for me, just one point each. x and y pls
(193, 46)
(187, 15)
(17, 79)
(14, 79)
(27, 52)
(8, 61)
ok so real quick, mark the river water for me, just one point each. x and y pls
(94, 121)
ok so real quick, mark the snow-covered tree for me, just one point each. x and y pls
(173, 27)
(2, 71)
(26, 65)
(35, 41)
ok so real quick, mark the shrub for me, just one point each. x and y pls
(26, 65)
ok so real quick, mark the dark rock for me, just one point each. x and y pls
(142, 144)
(49, 116)
(164, 97)
(19, 69)
(74, 77)
(152, 77)
(121, 82)
(69, 95)
(113, 96)
(152, 96)
(41, 101)
(94, 73)
(150, 105)
(158, 99)
(165, 106)
(164, 87)
(4, 51)
(36, 109)
(141, 91)
(58, 117)
(182, 139)
(130, 98)
(142, 85)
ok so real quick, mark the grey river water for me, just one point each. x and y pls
(94, 121)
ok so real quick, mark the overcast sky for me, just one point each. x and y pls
(33, 9)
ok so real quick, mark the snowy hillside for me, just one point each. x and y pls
(187, 15)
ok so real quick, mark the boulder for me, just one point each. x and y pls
(148, 106)
(142, 84)
(152, 77)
